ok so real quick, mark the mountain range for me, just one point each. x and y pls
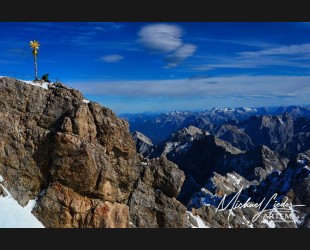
(67, 162)
(159, 126)
(259, 151)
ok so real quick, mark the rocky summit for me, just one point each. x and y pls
(78, 160)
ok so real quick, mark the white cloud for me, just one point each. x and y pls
(282, 50)
(165, 39)
(179, 55)
(111, 58)
(162, 38)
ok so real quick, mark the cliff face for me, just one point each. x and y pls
(79, 161)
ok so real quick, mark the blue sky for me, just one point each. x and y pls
(137, 67)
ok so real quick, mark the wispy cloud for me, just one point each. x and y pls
(295, 55)
(222, 87)
(299, 49)
(180, 94)
(248, 43)
(202, 67)
(166, 39)
(111, 58)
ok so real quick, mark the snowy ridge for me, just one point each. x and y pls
(13, 215)
(238, 109)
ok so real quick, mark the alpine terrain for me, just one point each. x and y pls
(235, 156)
(69, 162)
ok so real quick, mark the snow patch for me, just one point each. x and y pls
(170, 146)
(86, 101)
(294, 216)
(280, 120)
(201, 223)
(269, 223)
(198, 220)
(1, 179)
(234, 178)
(185, 147)
(13, 215)
(301, 161)
(43, 85)
(249, 109)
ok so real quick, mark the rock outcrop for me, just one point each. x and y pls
(144, 145)
(152, 202)
(80, 162)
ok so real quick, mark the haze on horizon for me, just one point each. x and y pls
(136, 67)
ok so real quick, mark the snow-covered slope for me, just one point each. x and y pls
(13, 215)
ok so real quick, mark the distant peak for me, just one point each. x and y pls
(139, 136)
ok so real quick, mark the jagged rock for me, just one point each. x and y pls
(199, 159)
(289, 186)
(301, 189)
(228, 184)
(144, 145)
(285, 130)
(240, 218)
(142, 137)
(201, 156)
(255, 164)
(150, 205)
(281, 133)
(186, 134)
(159, 127)
(237, 137)
(83, 156)
(62, 207)
(179, 141)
